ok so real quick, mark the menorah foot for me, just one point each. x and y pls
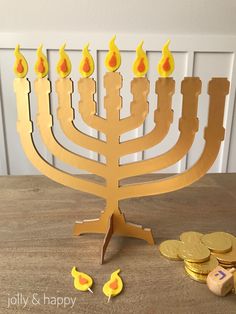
(114, 224)
(107, 238)
(130, 229)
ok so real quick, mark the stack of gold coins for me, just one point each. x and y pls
(227, 259)
(196, 256)
(201, 253)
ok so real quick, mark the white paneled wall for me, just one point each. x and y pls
(206, 57)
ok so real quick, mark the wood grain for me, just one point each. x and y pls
(38, 249)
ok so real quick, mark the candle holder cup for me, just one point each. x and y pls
(112, 221)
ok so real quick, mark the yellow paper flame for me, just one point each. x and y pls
(20, 65)
(167, 63)
(114, 286)
(86, 66)
(113, 57)
(41, 65)
(140, 65)
(82, 281)
(64, 64)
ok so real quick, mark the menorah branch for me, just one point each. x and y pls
(87, 105)
(214, 134)
(65, 114)
(163, 118)
(138, 107)
(44, 122)
(188, 126)
(24, 127)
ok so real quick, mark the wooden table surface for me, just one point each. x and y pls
(37, 249)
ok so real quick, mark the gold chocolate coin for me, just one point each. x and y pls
(169, 249)
(203, 268)
(227, 258)
(226, 234)
(227, 265)
(191, 237)
(217, 242)
(194, 253)
(195, 276)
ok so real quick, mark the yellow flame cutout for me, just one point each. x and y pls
(64, 64)
(86, 66)
(140, 65)
(167, 63)
(114, 286)
(82, 281)
(113, 57)
(20, 65)
(41, 65)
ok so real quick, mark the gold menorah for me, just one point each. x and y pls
(112, 221)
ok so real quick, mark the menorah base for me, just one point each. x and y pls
(114, 224)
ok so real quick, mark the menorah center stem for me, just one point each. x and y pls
(112, 158)
(112, 161)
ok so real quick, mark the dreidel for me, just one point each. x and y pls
(221, 281)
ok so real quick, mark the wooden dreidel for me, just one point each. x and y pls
(114, 286)
(221, 281)
(82, 281)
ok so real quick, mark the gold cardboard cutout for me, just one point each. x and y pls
(112, 221)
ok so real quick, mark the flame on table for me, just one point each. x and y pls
(113, 58)
(64, 64)
(82, 281)
(140, 65)
(114, 286)
(167, 63)
(86, 66)
(21, 65)
(41, 65)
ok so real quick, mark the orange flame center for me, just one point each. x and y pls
(63, 66)
(41, 67)
(166, 65)
(141, 66)
(113, 61)
(86, 65)
(113, 285)
(82, 280)
(20, 67)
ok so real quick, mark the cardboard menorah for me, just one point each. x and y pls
(112, 220)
